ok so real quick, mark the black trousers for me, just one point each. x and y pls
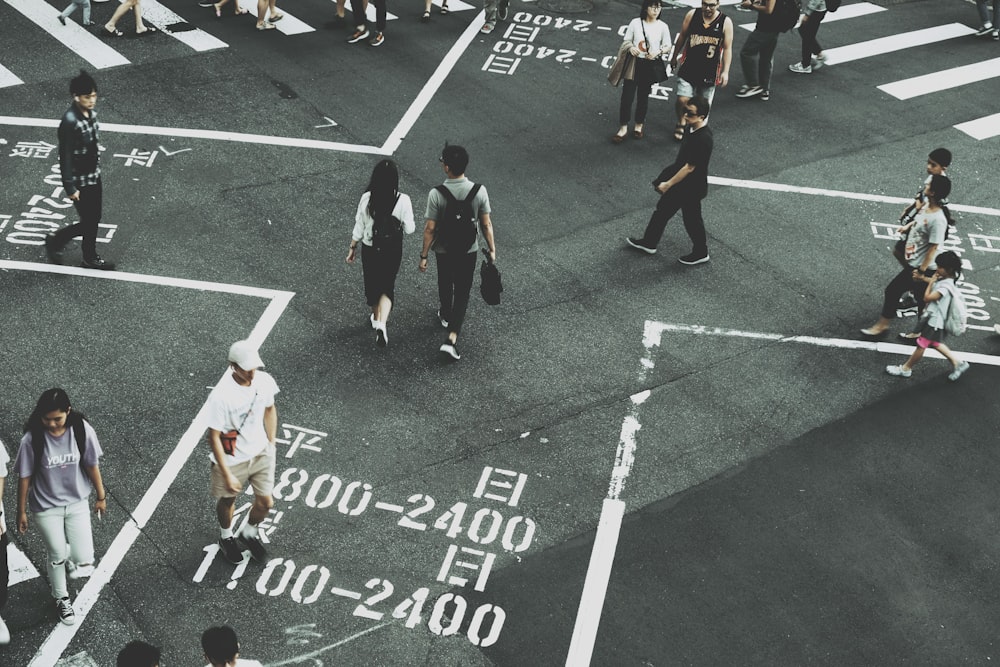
(358, 9)
(666, 208)
(900, 285)
(811, 47)
(637, 88)
(4, 570)
(88, 207)
(455, 274)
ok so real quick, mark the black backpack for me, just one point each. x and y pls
(456, 230)
(387, 230)
(786, 14)
(38, 442)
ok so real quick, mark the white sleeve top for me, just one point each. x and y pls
(657, 32)
(403, 212)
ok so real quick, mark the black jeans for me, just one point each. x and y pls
(900, 285)
(88, 207)
(666, 208)
(4, 570)
(455, 274)
(811, 47)
(358, 9)
(638, 87)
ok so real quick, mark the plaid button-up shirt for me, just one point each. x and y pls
(78, 150)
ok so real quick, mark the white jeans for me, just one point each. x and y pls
(66, 532)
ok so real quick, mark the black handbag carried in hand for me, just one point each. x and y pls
(490, 285)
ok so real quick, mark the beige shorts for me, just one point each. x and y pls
(258, 471)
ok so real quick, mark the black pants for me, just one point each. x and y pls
(639, 88)
(88, 207)
(455, 274)
(900, 285)
(694, 224)
(380, 268)
(810, 47)
(4, 570)
(358, 9)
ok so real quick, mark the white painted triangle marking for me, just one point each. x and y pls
(73, 36)
(986, 127)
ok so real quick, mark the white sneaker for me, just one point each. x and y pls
(898, 371)
(444, 322)
(957, 373)
(798, 68)
(818, 61)
(4, 633)
(65, 610)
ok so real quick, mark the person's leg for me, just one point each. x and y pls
(343, 3)
(140, 27)
(272, 11)
(91, 203)
(360, 22)
(261, 12)
(51, 524)
(490, 7)
(668, 205)
(694, 225)
(903, 282)
(806, 34)
(4, 571)
(120, 11)
(86, 12)
(446, 283)
(79, 534)
(915, 356)
(380, 15)
(984, 13)
(765, 65)
(69, 10)
(816, 48)
(996, 14)
(224, 512)
(642, 102)
(625, 107)
(465, 270)
(748, 58)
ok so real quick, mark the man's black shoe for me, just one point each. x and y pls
(97, 263)
(254, 545)
(693, 258)
(51, 251)
(230, 550)
(639, 244)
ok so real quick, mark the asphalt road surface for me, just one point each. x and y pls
(635, 462)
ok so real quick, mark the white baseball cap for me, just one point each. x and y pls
(244, 354)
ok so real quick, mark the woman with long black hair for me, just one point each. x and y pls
(57, 464)
(384, 215)
(649, 40)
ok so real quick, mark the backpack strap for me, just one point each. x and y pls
(443, 189)
(473, 192)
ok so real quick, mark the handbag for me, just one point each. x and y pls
(623, 67)
(658, 68)
(490, 285)
(228, 438)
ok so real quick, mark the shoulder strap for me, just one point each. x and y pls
(473, 192)
(80, 433)
(443, 189)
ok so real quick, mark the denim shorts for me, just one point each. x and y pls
(685, 89)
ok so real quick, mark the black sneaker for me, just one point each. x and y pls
(64, 608)
(639, 244)
(503, 10)
(984, 30)
(358, 35)
(381, 339)
(377, 40)
(62, 19)
(230, 550)
(765, 96)
(254, 545)
(96, 262)
(693, 258)
(54, 254)
(451, 349)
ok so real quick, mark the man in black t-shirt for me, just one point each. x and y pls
(682, 186)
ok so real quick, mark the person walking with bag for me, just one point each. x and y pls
(649, 40)
(384, 215)
(939, 294)
(57, 464)
(923, 238)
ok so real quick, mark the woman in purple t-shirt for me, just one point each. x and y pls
(57, 466)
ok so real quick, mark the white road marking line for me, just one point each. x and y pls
(73, 36)
(897, 42)
(60, 637)
(8, 78)
(845, 12)
(288, 25)
(197, 39)
(986, 127)
(21, 569)
(344, 593)
(313, 655)
(906, 89)
(214, 135)
(444, 68)
(388, 507)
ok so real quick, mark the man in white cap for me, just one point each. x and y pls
(242, 426)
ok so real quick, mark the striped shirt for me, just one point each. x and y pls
(78, 150)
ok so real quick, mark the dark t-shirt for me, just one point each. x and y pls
(696, 150)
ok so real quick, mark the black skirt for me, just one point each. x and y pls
(380, 266)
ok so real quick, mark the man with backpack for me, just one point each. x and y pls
(455, 211)
(757, 54)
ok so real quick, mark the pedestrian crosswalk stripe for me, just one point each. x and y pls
(77, 39)
(8, 78)
(943, 80)
(199, 40)
(897, 42)
(986, 127)
(852, 11)
(288, 25)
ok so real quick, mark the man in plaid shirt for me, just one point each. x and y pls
(81, 174)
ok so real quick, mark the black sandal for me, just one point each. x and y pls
(444, 7)
(426, 17)
(111, 33)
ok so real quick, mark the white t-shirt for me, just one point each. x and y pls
(657, 32)
(403, 211)
(233, 406)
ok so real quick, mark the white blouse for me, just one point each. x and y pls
(657, 32)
